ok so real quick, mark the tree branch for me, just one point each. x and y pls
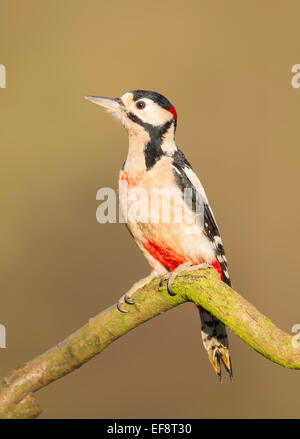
(202, 287)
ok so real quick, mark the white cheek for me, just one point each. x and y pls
(152, 113)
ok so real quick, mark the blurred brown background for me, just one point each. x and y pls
(226, 66)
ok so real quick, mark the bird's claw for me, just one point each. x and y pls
(125, 299)
(120, 308)
(169, 288)
(171, 276)
(163, 278)
(168, 277)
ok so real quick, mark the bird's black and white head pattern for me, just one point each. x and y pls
(149, 117)
(150, 113)
(147, 107)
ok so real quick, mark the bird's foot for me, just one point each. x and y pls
(126, 298)
(187, 266)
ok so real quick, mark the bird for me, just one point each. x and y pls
(154, 161)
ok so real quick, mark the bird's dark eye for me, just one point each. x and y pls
(140, 105)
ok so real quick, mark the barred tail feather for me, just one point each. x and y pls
(215, 340)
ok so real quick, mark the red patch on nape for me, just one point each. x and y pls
(217, 266)
(173, 111)
(168, 257)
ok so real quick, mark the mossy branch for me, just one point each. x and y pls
(201, 287)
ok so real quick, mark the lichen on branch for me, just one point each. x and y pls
(202, 287)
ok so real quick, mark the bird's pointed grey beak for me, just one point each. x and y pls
(112, 104)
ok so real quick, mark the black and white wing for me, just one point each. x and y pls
(186, 178)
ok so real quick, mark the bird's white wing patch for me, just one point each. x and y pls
(195, 182)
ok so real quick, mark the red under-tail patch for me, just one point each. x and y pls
(168, 257)
(217, 266)
(173, 111)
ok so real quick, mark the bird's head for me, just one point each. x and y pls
(140, 109)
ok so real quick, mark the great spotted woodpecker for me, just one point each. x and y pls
(154, 161)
